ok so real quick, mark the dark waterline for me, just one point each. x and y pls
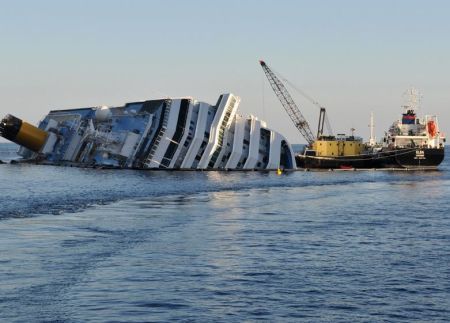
(101, 245)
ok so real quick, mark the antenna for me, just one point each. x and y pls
(412, 99)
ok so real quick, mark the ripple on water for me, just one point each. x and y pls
(102, 245)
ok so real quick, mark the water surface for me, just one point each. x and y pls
(120, 245)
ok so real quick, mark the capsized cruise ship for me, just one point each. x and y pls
(168, 133)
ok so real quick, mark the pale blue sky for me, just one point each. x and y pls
(352, 56)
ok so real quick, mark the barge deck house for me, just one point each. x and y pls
(169, 133)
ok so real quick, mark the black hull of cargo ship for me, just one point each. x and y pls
(418, 158)
(410, 158)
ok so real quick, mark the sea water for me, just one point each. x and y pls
(95, 245)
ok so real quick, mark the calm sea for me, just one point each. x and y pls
(85, 245)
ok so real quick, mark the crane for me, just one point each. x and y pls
(292, 109)
(288, 103)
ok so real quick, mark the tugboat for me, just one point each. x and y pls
(412, 142)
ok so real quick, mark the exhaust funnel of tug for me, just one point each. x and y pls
(22, 133)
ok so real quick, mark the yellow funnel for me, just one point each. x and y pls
(22, 133)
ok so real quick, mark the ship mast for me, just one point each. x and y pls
(372, 140)
(412, 99)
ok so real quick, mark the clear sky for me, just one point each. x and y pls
(354, 57)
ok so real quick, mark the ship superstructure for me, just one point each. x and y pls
(417, 142)
(411, 131)
(167, 133)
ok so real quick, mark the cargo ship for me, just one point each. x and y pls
(168, 133)
(410, 143)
